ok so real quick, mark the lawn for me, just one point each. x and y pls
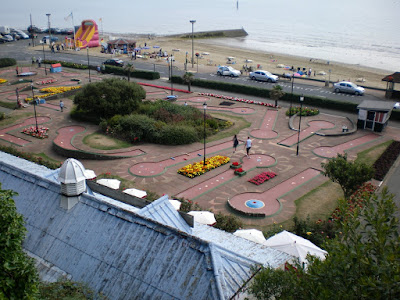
(103, 142)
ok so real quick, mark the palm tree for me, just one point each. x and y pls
(128, 69)
(276, 93)
(188, 78)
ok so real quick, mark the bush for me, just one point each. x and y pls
(109, 97)
(7, 62)
(228, 223)
(2, 116)
(386, 160)
(178, 135)
(136, 73)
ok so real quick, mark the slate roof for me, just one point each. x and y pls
(128, 253)
(395, 77)
(375, 105)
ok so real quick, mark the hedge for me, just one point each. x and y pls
(109, 69)
(7, 62)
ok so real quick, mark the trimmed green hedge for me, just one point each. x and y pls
(109, 69)
(7, 62)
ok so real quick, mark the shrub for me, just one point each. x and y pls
(2, 116)
(386, 160)
(109, 97)
(7, 62)
(136, 73)
(178, 135)
(229, 223)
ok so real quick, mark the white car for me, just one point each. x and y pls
(263, 76)
(228, 71)
(348, 87)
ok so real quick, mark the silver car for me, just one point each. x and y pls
(263, 76)
(228, 71)
(348, 87)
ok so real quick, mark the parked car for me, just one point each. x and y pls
(348, 87)
(228, 71)
(46, 37)
(8, 38)
(114, 62)
(263, 76)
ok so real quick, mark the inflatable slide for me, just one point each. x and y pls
(87, 35)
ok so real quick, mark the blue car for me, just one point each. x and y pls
(53, 39)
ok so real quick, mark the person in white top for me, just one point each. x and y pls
(248, 146)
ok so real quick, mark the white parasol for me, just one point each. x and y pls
(203, 217)
(251, 234)
(295, 245)
(135, 192)
(89, 174)
(175, 203)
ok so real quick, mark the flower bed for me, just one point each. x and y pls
(235, 165)
(41, 133)
(238, 99)
(46, 81)
(3, 80)
(386, 160)
(240, 172)
(198, 168)
(263, 177)
(53, 91)
(305, 111)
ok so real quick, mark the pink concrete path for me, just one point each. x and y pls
(313, 127)
(330, 152)
(199, 99)
(270, 198)
(66, 135)
(236, 110)
(255, 161)
(266, 129)
(16, 140)
(150, 169)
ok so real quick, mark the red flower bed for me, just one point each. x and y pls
(263, 177)
(235, 163)
(41, 133)
(238, 99)
(240, 170)
(164, 87)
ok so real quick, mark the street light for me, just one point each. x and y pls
(44, 58)
(88, 62)
(291, 97)
(205, 107)
(192, 21)
(48, 21)
(172, 84)
(298, 133)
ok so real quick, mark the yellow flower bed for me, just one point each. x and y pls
(2, 80)
(50, 91)
(198, 168)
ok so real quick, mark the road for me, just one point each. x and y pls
(22, 51)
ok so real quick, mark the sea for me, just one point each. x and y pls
(358, 32)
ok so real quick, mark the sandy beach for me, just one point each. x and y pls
(213, 54)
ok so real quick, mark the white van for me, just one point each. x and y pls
(4, 29)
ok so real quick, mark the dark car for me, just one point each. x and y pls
(114, 62)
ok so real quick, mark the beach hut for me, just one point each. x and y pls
(122, 44)
(391, 92)
(374, 115)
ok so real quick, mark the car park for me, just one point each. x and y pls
(114, 62)
(263, 76)
(348, 87)
(228, 71)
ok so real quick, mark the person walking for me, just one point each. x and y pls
(248, 146)
(39, 62)
(16, 70)
(235, 143)
(61, 105)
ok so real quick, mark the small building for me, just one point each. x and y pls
(391, 92)
(374, 115)
(122, 44)
(56, 68)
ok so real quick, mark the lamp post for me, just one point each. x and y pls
(172, 84)
(291, 98)
(44, 58)
(48, 21)
(298, 133)
(192, 21)
(34, 108)
(205, 108)
(90, 80)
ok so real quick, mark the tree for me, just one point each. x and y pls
(188, 77)
(276, 93)
(129, 68)
(109, 97)
(349, 175)
(362, 261)
(18, 277)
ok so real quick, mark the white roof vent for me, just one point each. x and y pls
(72, 178)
